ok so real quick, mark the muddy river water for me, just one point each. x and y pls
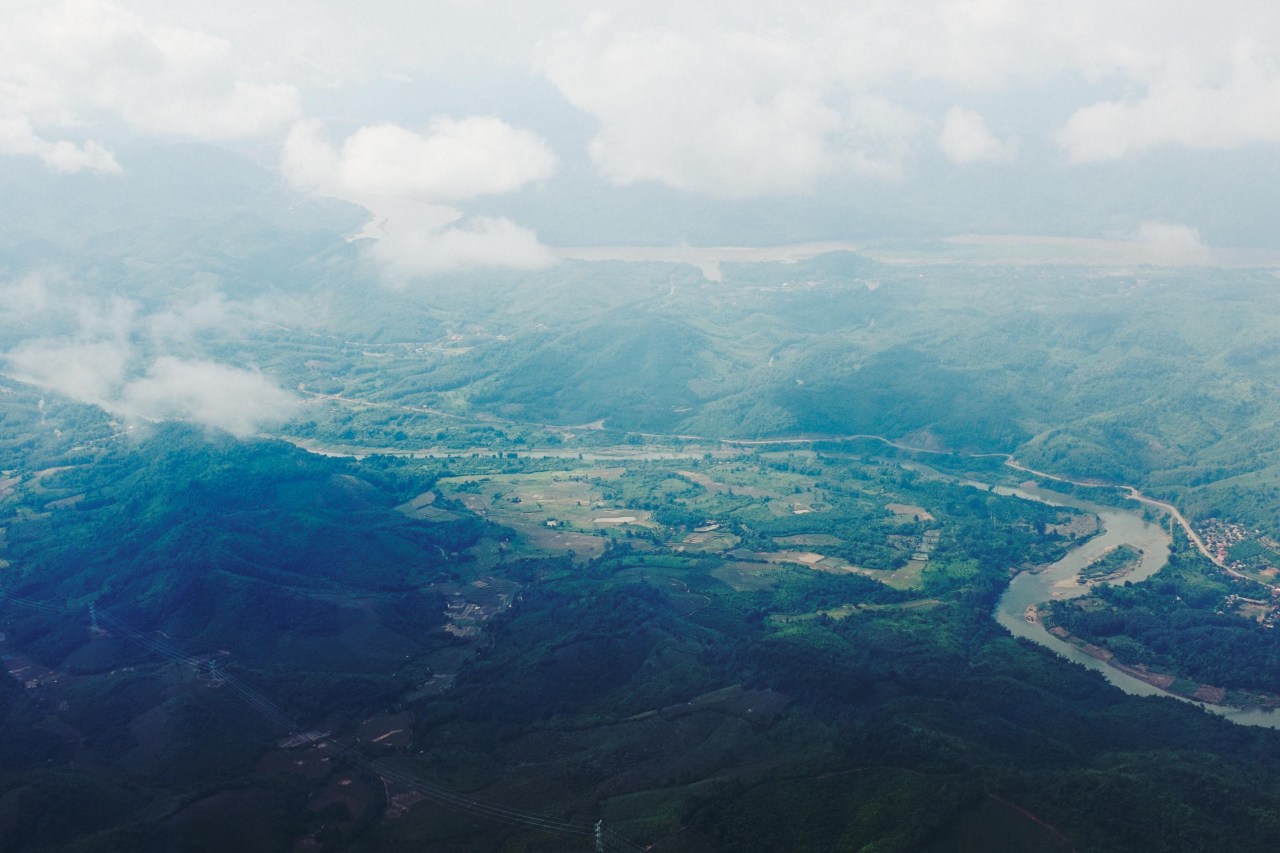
(1058, 581)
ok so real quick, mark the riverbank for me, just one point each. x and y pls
(1174, 685)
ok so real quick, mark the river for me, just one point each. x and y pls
(1058, 581)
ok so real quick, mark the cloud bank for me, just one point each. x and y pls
(74, 63)
(740, 104)
(1170, 244)
(727, 100)
(214, 395)
(965, 138)
(107, 356)
(407, 178)
(452, 159)
(1241, 111)
(414, 242)
(17, 136)
(730, 114)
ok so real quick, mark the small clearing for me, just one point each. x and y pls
(804, 558)
(748, 577)
(918, 513)
(388, 730)
(817, 540)
(725, 488)
(711, 542)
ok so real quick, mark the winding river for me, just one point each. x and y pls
(1058, 581)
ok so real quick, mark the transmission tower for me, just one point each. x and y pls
(600, 836)
(93, 620)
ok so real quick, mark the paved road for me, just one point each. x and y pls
(1133, 492)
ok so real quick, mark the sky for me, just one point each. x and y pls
(485, 134)
(422, 111)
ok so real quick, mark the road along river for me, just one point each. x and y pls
(1028, 589)
(1058, 581)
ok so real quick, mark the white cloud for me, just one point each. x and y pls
(109, 355)
(728, 113)
(965, 138)
(180, 325)
(89, 156)
(401, 176)
(1170, 244)
(214, 395)
(737, 105)
(454, 159)
(1244, 110)
(736, 102)
(26, 296)
(78, 62)
(17, 136)
(733, 100)
(435, 240)
(89, 371)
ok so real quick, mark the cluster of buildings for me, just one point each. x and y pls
(468, 607)
(1219, 536)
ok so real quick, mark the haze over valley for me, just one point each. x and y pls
(494, 428)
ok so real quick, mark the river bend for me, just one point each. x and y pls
(1058, 581)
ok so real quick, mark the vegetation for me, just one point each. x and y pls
(717, 671)
(533, 572)
(1116, 562)
(1183, 621)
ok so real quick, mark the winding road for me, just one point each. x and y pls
(1133, 492)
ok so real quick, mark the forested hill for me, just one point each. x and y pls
(232, 545)
(1161, 378)
(749, 651)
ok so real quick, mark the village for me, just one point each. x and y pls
(1249, 554)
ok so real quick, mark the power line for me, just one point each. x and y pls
(33, 604)
(605, 838)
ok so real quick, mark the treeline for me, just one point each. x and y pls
(901, 718)
(231, 544)
(1180, 622)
